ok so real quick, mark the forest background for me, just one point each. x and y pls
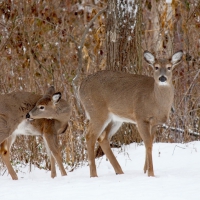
(60, 42)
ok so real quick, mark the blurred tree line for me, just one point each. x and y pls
(59, 42)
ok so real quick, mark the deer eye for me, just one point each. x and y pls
(169, 68)
(156, 68)
(41, 107)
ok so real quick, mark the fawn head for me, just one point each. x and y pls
(46, 107)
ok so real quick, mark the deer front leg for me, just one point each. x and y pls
(145, 163)
(52, 145)
(152, 133)
(145, 133)
(53, 166)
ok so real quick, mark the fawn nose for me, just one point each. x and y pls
(162, 79)
(27, 116)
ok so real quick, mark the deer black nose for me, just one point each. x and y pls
(162, 79)
(27, 116)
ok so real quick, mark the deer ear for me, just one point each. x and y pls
(56, 97)
(176, 58)
(50, 90)
(149, 57)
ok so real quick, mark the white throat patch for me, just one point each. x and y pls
(163, 83)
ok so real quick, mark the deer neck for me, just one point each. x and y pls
(61, 124)
(62, 120)
(164, 93)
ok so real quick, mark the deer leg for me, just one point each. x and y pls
(5, 155)
(52, 146)
(90, 141)
(4, 130)
(53, 166)
(145, 163)
(144, 130)
(52, 160)
(153, 131)
(104, 142)
(96, 127)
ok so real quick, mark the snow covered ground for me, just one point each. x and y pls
(176, 166)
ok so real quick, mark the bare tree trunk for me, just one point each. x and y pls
(120, 38)
(162, 16)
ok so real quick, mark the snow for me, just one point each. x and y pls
(176, 168)
(169, 1)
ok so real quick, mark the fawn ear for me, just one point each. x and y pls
(176, 58)
(56, 97)
(50, 90)
(149, 57)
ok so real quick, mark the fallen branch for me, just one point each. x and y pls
(191, 132)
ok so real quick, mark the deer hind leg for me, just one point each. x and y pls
(145, 133)
(5, 155)
(4, 130)
(104, 141)
(96, 127)
(53, 150)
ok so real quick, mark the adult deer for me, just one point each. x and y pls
(111, 98)
(13, 122)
